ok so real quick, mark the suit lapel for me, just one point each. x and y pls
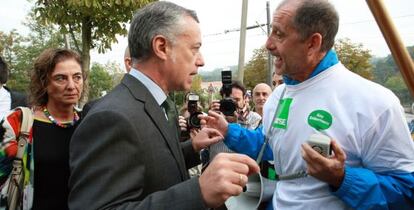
(154, 111)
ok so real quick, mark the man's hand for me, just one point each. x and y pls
(330, 170)
(204, 138)
(225, 176)
(182, 123)
(214, 120)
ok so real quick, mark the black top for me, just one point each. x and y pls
(51, 165)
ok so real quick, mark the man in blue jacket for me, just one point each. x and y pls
(372, 163)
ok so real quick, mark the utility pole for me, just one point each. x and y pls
(270, 66)
(242, 40)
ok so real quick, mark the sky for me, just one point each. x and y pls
(221, 49)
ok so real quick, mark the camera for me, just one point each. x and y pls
(227, 105)
(192, 107)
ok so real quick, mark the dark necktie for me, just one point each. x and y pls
(169, 108)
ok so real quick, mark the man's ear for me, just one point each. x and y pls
(314, 43)
(160, 47)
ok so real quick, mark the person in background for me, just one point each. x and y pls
(276, 80)
(127, 60)
(242, 116)
(183, 117)
(245, 117)
(372, 160)
(8, 99)
(260, 94)
(126, 153)
(247, 99)
(186, 131)
(56, 86)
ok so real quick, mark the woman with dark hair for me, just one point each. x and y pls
(57, 84)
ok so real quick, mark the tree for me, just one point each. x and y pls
(384, 69)
(354, 57)
(10, 48)
(196, 85)
(387, 73)
(98, 21)
(21, 51)
(397, 85)
(100, 81)
(116, 72)
(256, 68)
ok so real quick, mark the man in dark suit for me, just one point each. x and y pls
(8, 99)
(126, 153)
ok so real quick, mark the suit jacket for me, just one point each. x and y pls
(88, 106)
(124, 155)
(17, 98)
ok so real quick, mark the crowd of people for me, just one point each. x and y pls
(132, 149)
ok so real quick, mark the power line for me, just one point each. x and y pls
(226, 31)
(373, 20)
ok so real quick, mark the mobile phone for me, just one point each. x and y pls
(320, 143)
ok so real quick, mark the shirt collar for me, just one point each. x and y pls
(152, 87)
(329, 60)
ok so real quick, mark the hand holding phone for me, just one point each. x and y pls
(320, 143)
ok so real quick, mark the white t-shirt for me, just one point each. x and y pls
(365, 118)
(5, 102)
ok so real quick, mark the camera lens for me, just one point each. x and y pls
(227, 106)
(194, 121)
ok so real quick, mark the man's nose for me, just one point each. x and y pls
(200, 60)
(269, 44)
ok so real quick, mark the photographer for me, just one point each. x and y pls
(189, 123)
(188, 119)
(242, 115)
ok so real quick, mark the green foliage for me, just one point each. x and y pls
(255, 71)
(179, 97)
(196, 85)
(354, 57)
(384, 69)
(397, 85)
(196, 88)
(20, 51)
(116, 72)
(11, 49)
(98, 22)
(387, 73)
(99, 81)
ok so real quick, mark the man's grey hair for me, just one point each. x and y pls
(157, 18)
(316, 16)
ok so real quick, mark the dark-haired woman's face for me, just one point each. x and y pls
(65, 83)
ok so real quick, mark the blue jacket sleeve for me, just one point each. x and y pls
(247, 141)
(364, 189)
